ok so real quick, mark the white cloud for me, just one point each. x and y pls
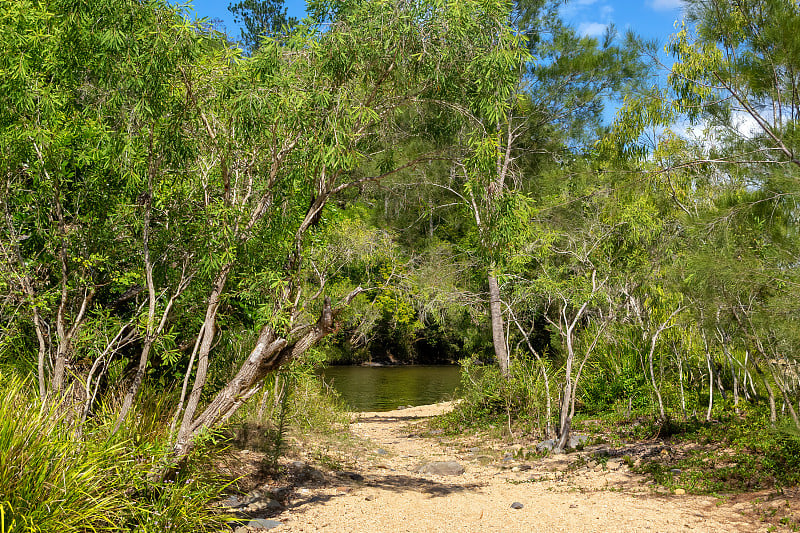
(665, 5)
(709, 137)
(590, 17)
(592, 29)
(746, 125)
(577, 8)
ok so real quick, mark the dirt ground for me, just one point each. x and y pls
(381, 489)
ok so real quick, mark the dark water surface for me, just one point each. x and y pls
(385, 388)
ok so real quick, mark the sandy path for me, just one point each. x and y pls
(384, 492)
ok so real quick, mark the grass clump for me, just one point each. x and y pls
(55, 476)
(48, 481)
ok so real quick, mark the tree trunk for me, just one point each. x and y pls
(710, 387)
(498, 331)
(565, 420)
(206, 336)
(565, 417)
(650, 355)
(269, 354)
(773, 414)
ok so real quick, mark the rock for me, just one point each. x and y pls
(546, 445)
(264, 504)
(282, 493)
(613, 465)
(508, 457)
(263, 523)
(442, 468)
(577, 440)
(381, 451)
(232, 501)
(574, 441)
(303, 472)
(676, 471)
(680, 492)
(517, 505)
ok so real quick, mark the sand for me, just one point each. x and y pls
(382, 491)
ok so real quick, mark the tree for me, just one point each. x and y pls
(522, 160)
(343, 91)
(203, 177)
(260, 19)
(736, 182)
(72, 113)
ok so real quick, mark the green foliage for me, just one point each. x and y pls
(55, 478)
(605, 389)
(155, 180)
(734, 454)
(489, 400)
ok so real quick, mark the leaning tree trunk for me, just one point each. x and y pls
(269, 354)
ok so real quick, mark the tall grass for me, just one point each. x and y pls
(47, 481)
(54, 478)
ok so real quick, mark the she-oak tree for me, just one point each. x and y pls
(147, 167)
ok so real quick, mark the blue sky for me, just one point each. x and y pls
(653, 19)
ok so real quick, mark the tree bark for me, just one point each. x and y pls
(269, 354)
(498, 331)
(207, 337)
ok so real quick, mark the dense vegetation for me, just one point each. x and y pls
(181, 221)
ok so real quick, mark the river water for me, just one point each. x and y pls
(385, 388)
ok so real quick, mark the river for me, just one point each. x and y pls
(385, 388)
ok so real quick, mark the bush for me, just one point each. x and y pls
(490, 400)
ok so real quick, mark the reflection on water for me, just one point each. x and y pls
(387, 388)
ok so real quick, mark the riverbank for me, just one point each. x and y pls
(401, 476)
